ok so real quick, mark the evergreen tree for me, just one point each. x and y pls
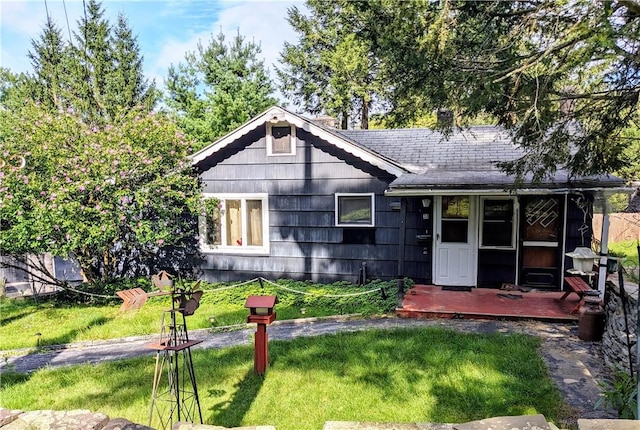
(49, 59)
(98, 75)
(564, 77)
(93, 65)
(126, 85)
(218, 88)
(331, 70)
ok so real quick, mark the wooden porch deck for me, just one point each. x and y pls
(429, 301)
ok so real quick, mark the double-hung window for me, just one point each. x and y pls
(355, 210)
(498, 225)
(239, 224)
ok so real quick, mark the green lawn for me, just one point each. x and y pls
(628, 251)
(403, 375)
(60, 323)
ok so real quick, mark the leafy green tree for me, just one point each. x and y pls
(111, 197)
(332, 68)
(14, 90)
(562, 76)
(218, 88)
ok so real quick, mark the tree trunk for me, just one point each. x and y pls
(364, 120)
(344, 123)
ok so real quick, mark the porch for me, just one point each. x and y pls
(430, 301)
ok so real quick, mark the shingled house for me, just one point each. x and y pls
(301, 200)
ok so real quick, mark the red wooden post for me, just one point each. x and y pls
(261, 351)
(261, 312)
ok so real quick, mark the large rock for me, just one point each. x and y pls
(191, 426)
(355, 425)
(601, 424)
(58, 420)
(523, 422)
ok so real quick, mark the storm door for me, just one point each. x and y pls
(455, 248)
(540, 241)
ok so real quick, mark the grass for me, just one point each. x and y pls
(60, 323)
(628, 251)
(402, 375)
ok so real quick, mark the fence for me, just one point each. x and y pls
(622, 227)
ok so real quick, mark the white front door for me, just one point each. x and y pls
(455, 256)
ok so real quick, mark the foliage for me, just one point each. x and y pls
(631, 168)
(110, 197)
(561, 76)
(331, 70)
(622, 395)
(100, 75)
(403, 375)
(629, 254)
(74, 316)
(218, 88)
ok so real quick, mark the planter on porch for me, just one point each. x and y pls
(583, 259)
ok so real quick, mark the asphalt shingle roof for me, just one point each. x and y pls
(464, 159)
(419, 150)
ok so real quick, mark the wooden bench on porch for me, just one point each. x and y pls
(579, 286)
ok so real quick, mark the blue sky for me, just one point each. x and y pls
(166, 29)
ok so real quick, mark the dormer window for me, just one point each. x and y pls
(281, 139)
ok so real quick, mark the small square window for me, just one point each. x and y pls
(355, 210)
(281, 139)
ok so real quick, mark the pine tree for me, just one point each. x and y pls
(126, 85)
(331, 70)
(99, 74)
(219, 87)
(50, 60)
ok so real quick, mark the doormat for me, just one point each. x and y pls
(510, 296)
(456, 288)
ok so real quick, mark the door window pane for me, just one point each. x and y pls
(455, 207)
(455, 231)
(542, 216)
(455, 219)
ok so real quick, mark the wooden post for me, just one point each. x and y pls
(604, 248)
(402, 232)
(261, 350)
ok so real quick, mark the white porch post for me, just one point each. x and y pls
(604, 247)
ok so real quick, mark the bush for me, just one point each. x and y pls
(622, 395)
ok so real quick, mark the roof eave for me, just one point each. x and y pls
(426, 191)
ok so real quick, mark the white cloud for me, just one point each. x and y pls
(166, 29)
(262, 22)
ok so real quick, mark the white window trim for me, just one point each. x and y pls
(514, 222)
(372, 197)
(269, 138)
(226, 249)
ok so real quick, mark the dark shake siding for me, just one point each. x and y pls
(304, 242)
(577, 221)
